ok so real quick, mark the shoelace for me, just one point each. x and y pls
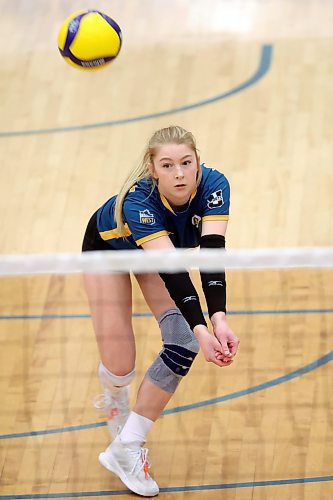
(141, 461)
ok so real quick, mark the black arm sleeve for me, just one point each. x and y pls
(182, 291)
(213, 284)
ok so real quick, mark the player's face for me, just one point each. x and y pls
(175, 167)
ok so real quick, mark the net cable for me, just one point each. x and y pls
(140, 261)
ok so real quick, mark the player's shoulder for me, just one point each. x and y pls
(140, 191)
(211, 177)
(142, 194)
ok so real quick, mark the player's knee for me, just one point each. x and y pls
(112, 379)
(180, 345)
(180, 348)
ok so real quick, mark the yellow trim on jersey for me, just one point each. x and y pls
(193, 195)
(152, 237)
(114, 233)
(215, 217)
(167, 204)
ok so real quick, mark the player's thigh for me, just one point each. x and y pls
(110, 300)
(155, 293)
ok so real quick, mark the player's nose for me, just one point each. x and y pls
(179, 172)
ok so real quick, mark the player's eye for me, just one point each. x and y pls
(186, 163)
(166, 165)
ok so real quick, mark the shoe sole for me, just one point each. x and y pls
(114, 467)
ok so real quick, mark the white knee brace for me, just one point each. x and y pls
(110, 380)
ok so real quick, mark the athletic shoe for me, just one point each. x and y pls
(129, 461)
(115, 404)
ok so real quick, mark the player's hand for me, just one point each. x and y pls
(210, 346)
(228, 340)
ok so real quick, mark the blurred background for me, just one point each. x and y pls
(253, 81)
(273, 139)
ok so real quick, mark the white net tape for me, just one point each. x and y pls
(166, 261)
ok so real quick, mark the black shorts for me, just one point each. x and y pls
(92, 239)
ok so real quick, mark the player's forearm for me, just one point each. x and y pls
(182, 291)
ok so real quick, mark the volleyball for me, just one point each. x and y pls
(89, 39)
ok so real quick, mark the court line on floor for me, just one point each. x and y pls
(263, 68)
(234, 395)
(149, 315)
(174, 489)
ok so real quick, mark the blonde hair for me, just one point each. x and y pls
(169, 135)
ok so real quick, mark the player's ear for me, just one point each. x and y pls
(152, 171)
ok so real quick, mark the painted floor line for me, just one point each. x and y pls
(263, 68)
(175, 489)
(149, 315)
(260, 387)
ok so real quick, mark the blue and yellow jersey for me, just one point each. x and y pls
(147, 213)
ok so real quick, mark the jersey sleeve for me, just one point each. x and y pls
(143, 218)
(216, 197)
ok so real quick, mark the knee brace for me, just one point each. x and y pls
(180, 348)
(110, 380)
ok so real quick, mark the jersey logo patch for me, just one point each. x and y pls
(196, 219)
(146, 217)
(215, 200)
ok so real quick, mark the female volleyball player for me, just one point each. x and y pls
(169, 201)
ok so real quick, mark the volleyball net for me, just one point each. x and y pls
(279, 302)
(167, 261)
(52, 285)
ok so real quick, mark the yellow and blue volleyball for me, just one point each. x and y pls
(89, 39)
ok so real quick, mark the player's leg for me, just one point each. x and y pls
(110, 302)
(151, 399)
(110, 299)
(179, 349)
(126, 455)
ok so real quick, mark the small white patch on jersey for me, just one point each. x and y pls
(215, 199)
(146, 217)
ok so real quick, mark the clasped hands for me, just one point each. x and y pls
(221, 347)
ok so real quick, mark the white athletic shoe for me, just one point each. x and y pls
(130, 463)
(115, 404)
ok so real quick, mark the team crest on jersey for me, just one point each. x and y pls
(196, 219)
(215, 200)
(146, 217)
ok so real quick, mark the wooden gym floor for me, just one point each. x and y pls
(253, 81)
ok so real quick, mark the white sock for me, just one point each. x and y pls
(136, 428)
